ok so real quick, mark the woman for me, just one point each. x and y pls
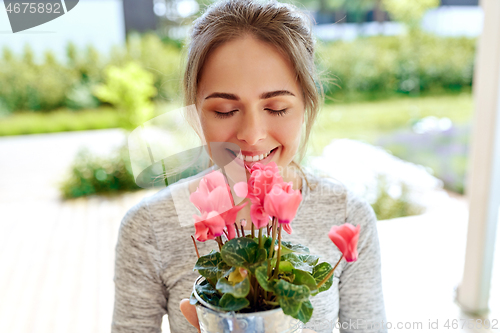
(250, 72)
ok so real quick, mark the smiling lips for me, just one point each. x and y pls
(254, 158)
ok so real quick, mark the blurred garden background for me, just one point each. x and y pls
(397, 74)
(397, 82)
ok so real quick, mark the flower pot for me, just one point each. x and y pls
(212, 320)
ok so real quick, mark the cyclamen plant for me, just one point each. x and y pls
(256, 273)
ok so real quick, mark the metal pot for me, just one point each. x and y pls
(213, 320)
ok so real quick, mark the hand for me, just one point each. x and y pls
(189, 311)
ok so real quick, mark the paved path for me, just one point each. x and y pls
(57, 257)
(32, 165)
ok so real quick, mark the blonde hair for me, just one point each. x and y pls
(282, 25)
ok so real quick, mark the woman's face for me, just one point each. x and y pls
(249, 97)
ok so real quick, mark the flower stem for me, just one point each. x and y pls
(279, 254)
(256, 292)
(271, 251)
(219, 241)
(329, 274)
(252, 291)
(253, 230)
(261, 243)
(242, 231)
(237, 231)
(211, 282)
(195, 247)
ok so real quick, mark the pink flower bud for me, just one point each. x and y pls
(345, 237)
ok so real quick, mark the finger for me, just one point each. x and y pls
(189, 311)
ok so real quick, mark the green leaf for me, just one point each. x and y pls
(211, 266)
(305, 278)
(289, 306)
(230, 303)
(298, 248)
(208, 293)
(260, 257)
(286, 289)
(267, 244)
(229, 271)
(301, 261)
(239, 290)
(239, 252)
(243, 252)
(261, 275)
(320, 272)
(305, 312)
(285, 266)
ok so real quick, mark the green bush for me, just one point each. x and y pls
(366, 68)
(129, 89)
(162, 59)
(91, 174)
(381, 66)
(28, 85)
(388, 207)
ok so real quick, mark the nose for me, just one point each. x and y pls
(253, 127)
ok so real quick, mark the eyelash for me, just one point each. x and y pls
(223, 115)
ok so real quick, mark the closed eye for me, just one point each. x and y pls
(223, 115)
(281, 112)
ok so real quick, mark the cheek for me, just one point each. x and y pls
(289, 133)
(214, 132)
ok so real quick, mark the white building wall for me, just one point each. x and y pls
(96, 22)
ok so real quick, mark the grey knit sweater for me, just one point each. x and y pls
(155, 258)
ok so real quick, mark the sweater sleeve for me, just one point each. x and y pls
(361, 303)
(140, 295)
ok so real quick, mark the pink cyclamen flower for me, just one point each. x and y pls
(288, 228)
(262, 179)
(282, 202)
(208, 226)
(213, 198)
(229, 218)
(259, 217)
(345, 237)
(212, 182)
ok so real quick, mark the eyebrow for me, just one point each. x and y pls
(265, 95)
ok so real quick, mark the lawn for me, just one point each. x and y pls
(62, 120)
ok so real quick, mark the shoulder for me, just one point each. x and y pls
(322, 189)
(136, 217)
(139, 218)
